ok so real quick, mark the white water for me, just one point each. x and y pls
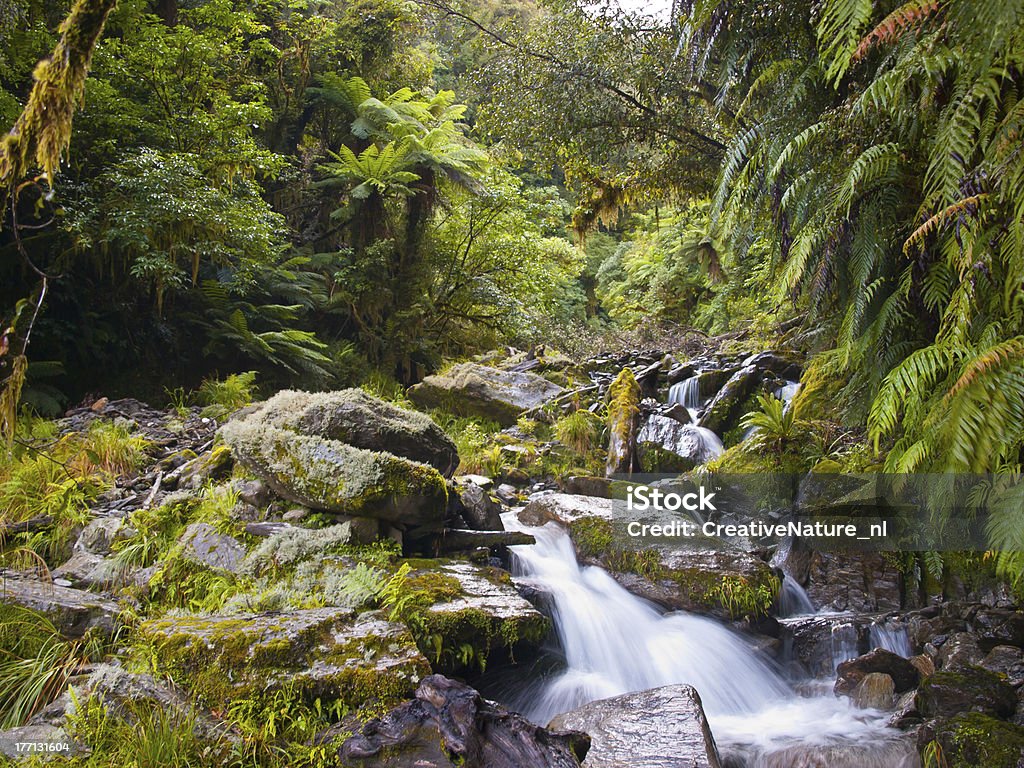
(615, 643)
(793, 599)
(711, 446)
(892, 637)
(687, 394)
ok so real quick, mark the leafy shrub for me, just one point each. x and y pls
(221, 397)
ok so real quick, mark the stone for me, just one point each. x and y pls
(458, 540)
(100, 534)
(818, 642)
(507, 493)
(850, 673)
(585, 485)
(41, 733)
(998, 627)
(478, 509)
(73, 611)
(356, 418)
(563, 508)
(481, 480)
(857, 581)
(210, 466)
(80, 570)
(924, 665)
(659, 728)
(959, 651)
(471, 389)
(786, 365)
(666, 445)
(203, 544)
(968, 689)
(974, 739)
(323, 473)
(725, 409)
(876, 690)
(623, 423)
(1006, 660)
(254, 492)
(905, 715)
(449, 724)
(488, 605)
(325, 653)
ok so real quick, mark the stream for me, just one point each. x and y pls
(612, 642)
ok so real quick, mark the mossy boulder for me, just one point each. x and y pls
(471, 389)
(974, 740)
(969, 689)
(327, 653)
(623, 423)
(278, 443)
(72, 611)
(726, 408)
(664, 444)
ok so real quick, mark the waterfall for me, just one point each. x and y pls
(787, 391)
(793, 599)
(892, 637)
(845, 645)
(710, 444)
(614, 643)
(686, 392)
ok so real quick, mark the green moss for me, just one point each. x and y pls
(974, 740)
(623, 404)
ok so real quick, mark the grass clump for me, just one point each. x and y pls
(580, 431)
(221, 397)
(36, 662)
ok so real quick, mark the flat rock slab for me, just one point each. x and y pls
(327, 652)
(72, 611)
(203, 544)
(471, 389)
(659, 728)
(563, 508)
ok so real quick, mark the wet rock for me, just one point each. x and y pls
(875, 691)
(975, 739)
(959, 651)
(479, 510)
(924, 665)
(859, 581)
(72, 611)
(970, 689)
(448, 724)
(1006, 660)
(726, 408)
(998, 627)
(784, 364)
(470, 389)
(906, 715)
(817, 643)
(320, 472)
(563, 508)
(666, 445)
(324, 653)
(86, 571)
(454, 540)
(659, 728)
(850, 673)
(623, 423)
(507, 493)
(201, 543)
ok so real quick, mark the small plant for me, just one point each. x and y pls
(741, 598)
(776, 425)
(178, 399)
(221, 397)
(36, 662)
(580, 432)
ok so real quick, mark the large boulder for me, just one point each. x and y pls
(325, 653)
(970, 689)
(564, 508)
(471, 389)
(480, 511)
(850, 673)
(975, 739)
(291, 442)
(726, 407)
(448, 724)
(666, 445)
(659, 728)
(72, 611)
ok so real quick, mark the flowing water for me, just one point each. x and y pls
(793, 599)
(892, 636)
(687, 394)
(614, 643)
